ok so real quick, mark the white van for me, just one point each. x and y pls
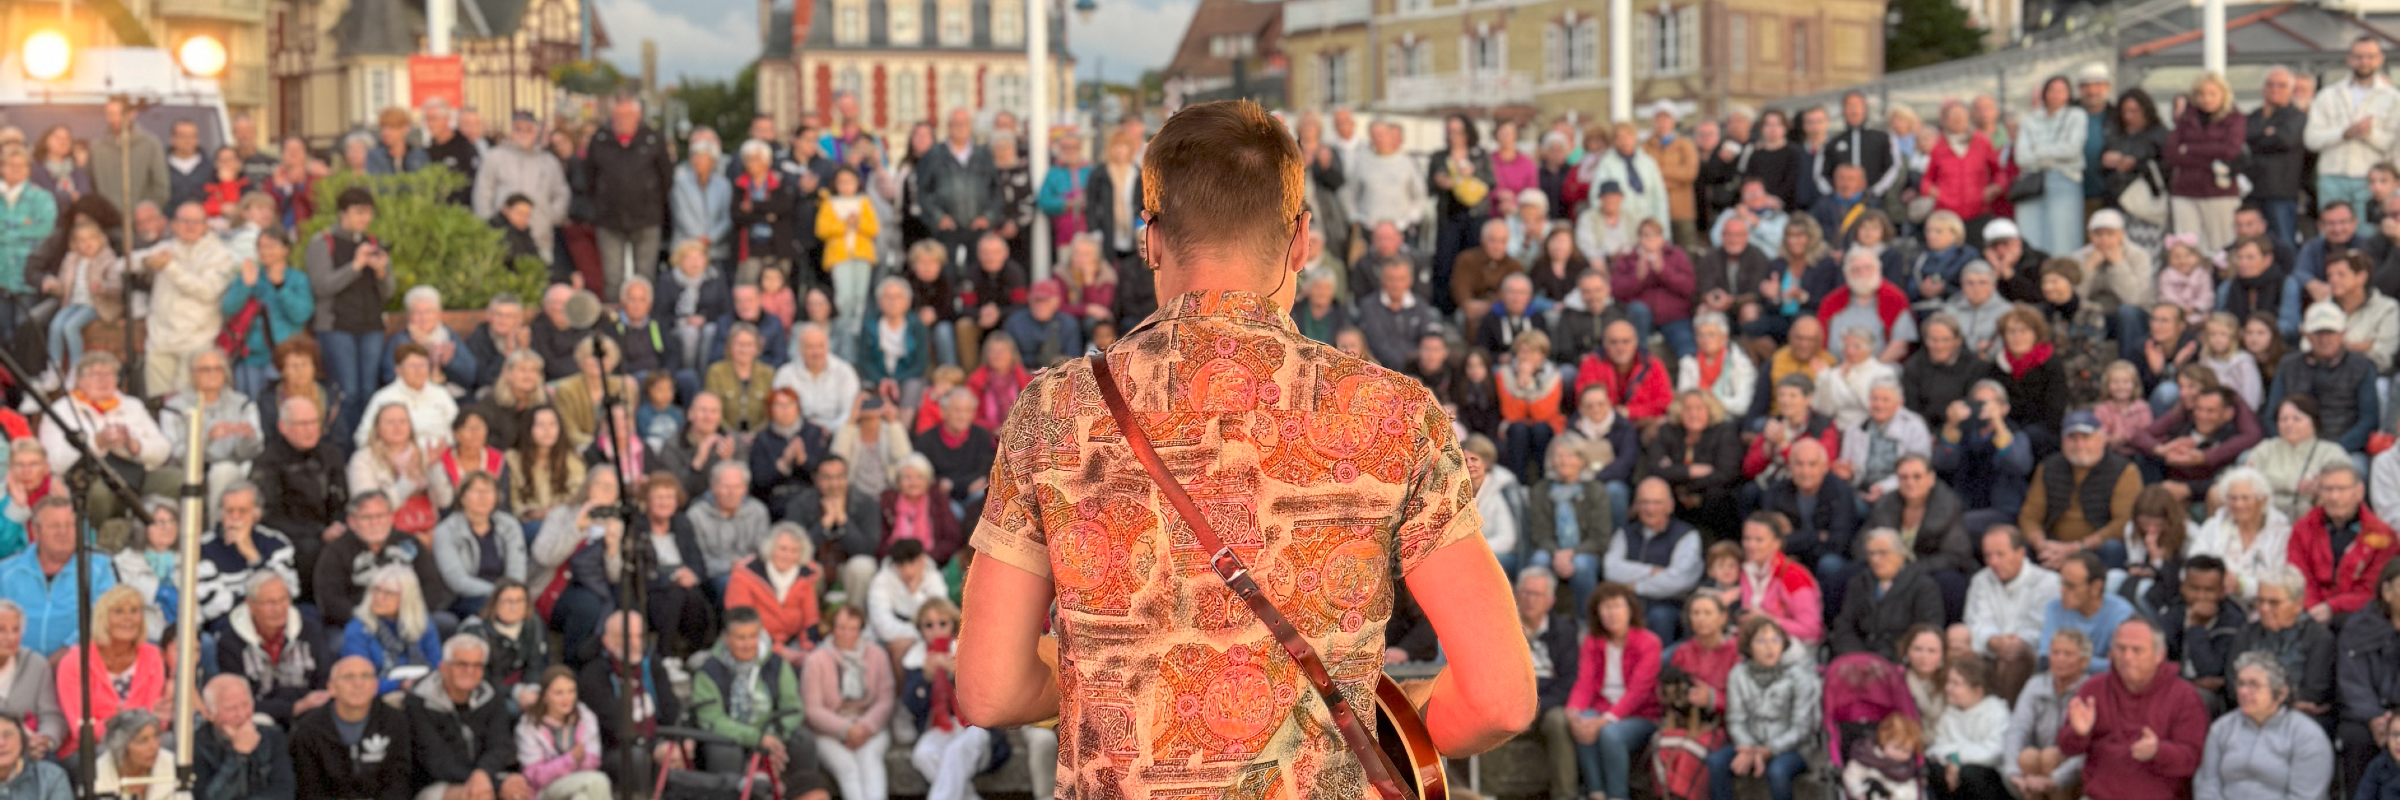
(146, 74)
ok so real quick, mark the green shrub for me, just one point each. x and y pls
(432, 242)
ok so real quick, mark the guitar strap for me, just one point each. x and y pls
(1230, 569)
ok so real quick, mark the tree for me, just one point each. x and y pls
(725, 107)
(1927, 32)
(596, 78)
(433, 242)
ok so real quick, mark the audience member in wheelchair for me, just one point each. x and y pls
(744, 692)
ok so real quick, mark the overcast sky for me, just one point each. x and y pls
(712, 39)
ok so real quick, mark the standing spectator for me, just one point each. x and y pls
(378, 761)
(447, 146)
(57, 169)
(519, 166)
(390, 152)
(2276, 162)
(628, 168)
(351, 275)
(959, 187)
(703, 198)
(191, 274)
(1871, 150)
(285, 306)
(1678, 161)
(2202, 153)
(129, 167)
(1778, 165)
(188, 169)
(2051, 142)
(2352, 126)
(27, 219)
(2141, 728)
(1459, 178)
(1962, 171)
(765, 219)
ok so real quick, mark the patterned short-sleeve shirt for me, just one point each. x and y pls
(1328, 475)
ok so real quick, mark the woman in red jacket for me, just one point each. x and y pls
(781, 583)
(1613, 709)
(1962, 171)
(2200, 156)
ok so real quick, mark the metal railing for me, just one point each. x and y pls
(1457, 90)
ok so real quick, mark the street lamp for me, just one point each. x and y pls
(202, 56)
(47, 55)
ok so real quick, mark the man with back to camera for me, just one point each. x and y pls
(1143, 630)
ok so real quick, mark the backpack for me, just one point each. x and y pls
(1679, 762)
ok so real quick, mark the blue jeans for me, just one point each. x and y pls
(1586, 577)
(2053, 223)
(1664, 618)
(66, 335)
(1780, 770)
(1679, 337)
(1608, 760)
(1640, 315)
(2283, 219)
(254, 380)
(353, 359)
(2162, 399)
(2337, 188)
(1522, 447)
(2133, 328)
(1620, 497)
(945, 344)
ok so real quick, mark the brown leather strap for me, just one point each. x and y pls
(1230, 569)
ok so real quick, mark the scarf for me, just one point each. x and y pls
(687, 302)
(1544, 381)
(2261, 293)
(162, 564)
(1633, 175)
(1710, 367)
(912, 519)
(1563, 497)
(2025, 362)
(853, 663)
(2065, 312)
(944, 708)
(748, 695)
(107, 407)
(782, 580)
(272, 642)
(396, 652)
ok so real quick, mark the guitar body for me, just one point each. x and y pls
(1401, 732)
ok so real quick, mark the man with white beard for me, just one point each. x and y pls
(1866, 302)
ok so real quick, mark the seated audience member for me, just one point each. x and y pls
(1513, 315)
(563, 552)
(1772, 707)
(1613, 707)
(2248, 532)
(2301, 645)
(1968, 741)
(1709, 656)
(600, 682)
(949, 752)
(31, 692)
(1639, 385)
(330, 745)
(849, 692)
(130, 673)
(29, 480)
(705, 442)
(1944, 369)
(509, 403)
(397, 465)
(784, 452)
(238, 758)
(1611, 447)
(452, 365)
(470, 452)
(2142, 728)
(914, 510)
(2268, 747)
(1980, 300)
(2085, 604)
(960, 452)
(466, 746)
(394, 632)
(1491, 485)
(2291, 459)
(2340, 545)
(1655, 555)
(2007, 604)
(2342, 381)
(1873, 446)
(280, 654)
(743, 692)
(1530, 389)
(26, 578)
(2080, 497)
(429, 405)
(1984, 456)
(1776, 587)
(743, 380)
(2029, 756)
(1919, 654)
(124, 434)
(1699, 454)
(1793, 420)
(2030, 361)
(845, 523)
(728, 522)
(23, 775)
(1932, 526)
(368, 544)
(676, 594)
(1567, 522)
(1551, 635)
(2154, 544)
(478, 546)
(1823, 510)
(239, 549)
(1884, 600)
(129, 765)
(543, 469)
(2202, 436)
(558, 741)
(1716, 366)
(231, 436)
(1042, 330)
(2368, 646)
(873, 444)
(1584, 316)
(778, 586)
(907, 581)
(1867, 305)
(515, 651)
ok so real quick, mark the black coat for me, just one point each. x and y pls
(222, 774)
(1870, 624)
(597, 685)
(1100, 204)
(452, 743)
(302, 494)
(489, 361)
(2369, 650)
(861, 536)
(381, 767)
(2309, 664)
(629, 182)
(1930, 387)
(1941, 536)
(1669, 454)
(1565, 652)
(780, 212)
(716, 297)
(2039, 398)
(1830, 529)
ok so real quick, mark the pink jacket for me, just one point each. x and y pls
(1792, 599)
(1640, 663)
(149, 688)
(2119, 422)
(2195, 292)
(546, 760)
(821, 691)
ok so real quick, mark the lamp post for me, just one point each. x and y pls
(1037, 126)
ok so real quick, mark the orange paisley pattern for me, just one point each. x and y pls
(1330, 477)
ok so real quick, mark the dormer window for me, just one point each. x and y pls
(905, 22)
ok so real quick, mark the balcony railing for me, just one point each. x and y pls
(1304, 16)
(1457, 90)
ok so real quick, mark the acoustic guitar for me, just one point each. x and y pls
(1400, 733)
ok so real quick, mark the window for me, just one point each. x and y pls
(1668, 42)
(904, 21)
(1737, 43)
(379, 90)
(850, 81)
(1008, 23)
(1409, 58)
(958, 90)
(1333, 86)
(1800, 47)
(1005, 91)
(1483, 52)
(1230, 46)
(954, 24)
(908, 97)
(1415, 6)
(850, 23)
(1571, 49)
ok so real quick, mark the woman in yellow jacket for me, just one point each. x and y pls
(846, 224)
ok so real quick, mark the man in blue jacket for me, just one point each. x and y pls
(42, 580)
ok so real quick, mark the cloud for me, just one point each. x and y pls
(1129, 36)
(712, 50)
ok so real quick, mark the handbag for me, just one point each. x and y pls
(1425, 781)
(416, 516)
(2026, 188)
(2142, 199)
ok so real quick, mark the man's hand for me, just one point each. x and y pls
(1562, 562)
(1950, 776)
(514, 787)
(1394, 655)
(988, 316)
(2144, 748)
(2082, 713)
(312, 700)
(980, 224)
(2321, 612)
(478, 786)
(2005, 645)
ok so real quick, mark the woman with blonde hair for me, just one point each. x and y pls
(1699, 455)
(577, 396)
(393, 629)
(2201, 154)
(1091, 283)
(130, 671)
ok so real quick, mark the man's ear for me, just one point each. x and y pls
(1296, 256)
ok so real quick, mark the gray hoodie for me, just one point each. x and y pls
(2288, 758)
(1772, 707)
(457, 555)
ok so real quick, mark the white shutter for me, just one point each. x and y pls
(1690, 31)
(1644, 30)
(1553, 57)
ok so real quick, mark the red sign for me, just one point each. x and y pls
(443, 77)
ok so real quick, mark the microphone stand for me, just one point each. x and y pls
(88, 467)
(634, 554)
